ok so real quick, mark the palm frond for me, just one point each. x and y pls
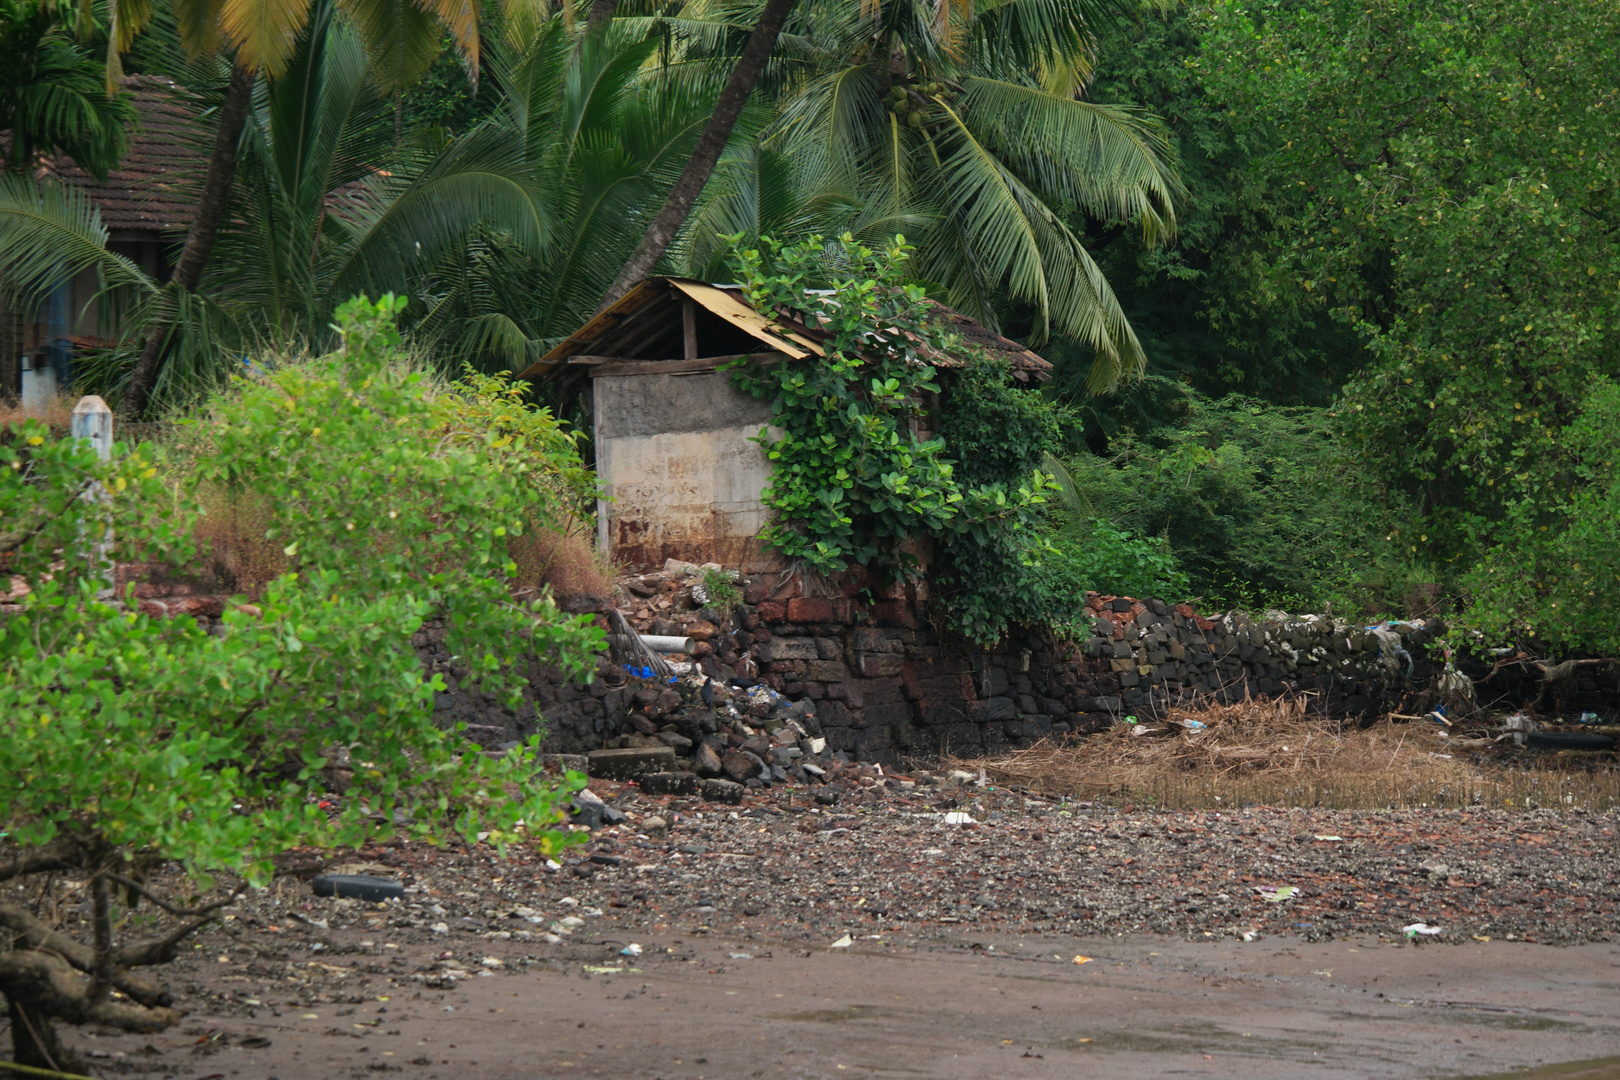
(1011, 235)
(50, 232)
(482, 177)
(401, 39)
(1112, 161)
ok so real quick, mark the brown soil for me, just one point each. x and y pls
(961, 954)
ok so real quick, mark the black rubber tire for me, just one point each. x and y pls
(358, 887)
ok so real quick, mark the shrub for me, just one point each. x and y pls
(1259, 504)
(126, 740)
(851, 481)
(1553, 576)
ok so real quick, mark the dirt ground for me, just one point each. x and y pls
(953, 1009)
(785, 939)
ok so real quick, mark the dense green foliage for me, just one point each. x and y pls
(53, 91)
(1258, 503)
(1553, 574)
(852, 483)
(1205, 313)
(388, 524)
(306, 718)
(1447, 183)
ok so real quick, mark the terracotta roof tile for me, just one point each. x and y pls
(152, 190)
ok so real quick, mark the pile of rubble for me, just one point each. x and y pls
(699, 735)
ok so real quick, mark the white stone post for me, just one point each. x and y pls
(92, 420)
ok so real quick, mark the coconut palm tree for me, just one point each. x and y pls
(52, 96)
(683, 195)
(605, 130)
(324, 204)
(966, 121)
(400, 40)
(52, 101)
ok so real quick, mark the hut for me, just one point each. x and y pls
(146, 204)
(673, 436)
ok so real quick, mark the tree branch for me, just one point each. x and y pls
(34, 933)
(16, 541)
(52, 987)
(163, 950)
(160, 902)
(62, 854)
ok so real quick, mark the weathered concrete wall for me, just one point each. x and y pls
(674, 455)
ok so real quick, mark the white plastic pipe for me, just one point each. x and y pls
(661, 644)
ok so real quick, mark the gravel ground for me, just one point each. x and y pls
(883, 873)
(904, 862)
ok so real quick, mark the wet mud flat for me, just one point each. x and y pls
(954, 1008)
(781, 940)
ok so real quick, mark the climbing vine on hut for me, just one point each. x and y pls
(853, 481)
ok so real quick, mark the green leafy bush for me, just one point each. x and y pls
(1099, 556)
(305, 718)
(1258, 503)
(1553, 575)
(1000, 435)
(852, 484)
(1443, 179)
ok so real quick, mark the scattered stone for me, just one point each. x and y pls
(706, 762)
(670, 783)
(627, 763)
(740, 764)
(722, 791)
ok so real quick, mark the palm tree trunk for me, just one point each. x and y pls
(655, 241)
(216, 195)
(601, 14)
(596, 24)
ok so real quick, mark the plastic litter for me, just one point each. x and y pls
(1276, 894)
(1521, 726)
(1082, 960)
(1193, 725)
(842, 943)
(960, 817)
(1329, 836)
(1412, 930)
(631, 949)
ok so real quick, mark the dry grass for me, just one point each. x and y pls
(1276, 753)
(564, 559)
(230, 534)
(58, 412)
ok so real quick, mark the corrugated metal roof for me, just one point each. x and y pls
(729, 305)
(781, 332)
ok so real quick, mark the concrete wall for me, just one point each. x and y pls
(674, 455)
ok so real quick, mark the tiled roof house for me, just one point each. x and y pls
(146, 204)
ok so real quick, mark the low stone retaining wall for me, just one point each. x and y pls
(886, 685)
(883, 685)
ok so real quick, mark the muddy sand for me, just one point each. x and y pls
(783, 939)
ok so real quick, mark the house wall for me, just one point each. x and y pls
(683, 479)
